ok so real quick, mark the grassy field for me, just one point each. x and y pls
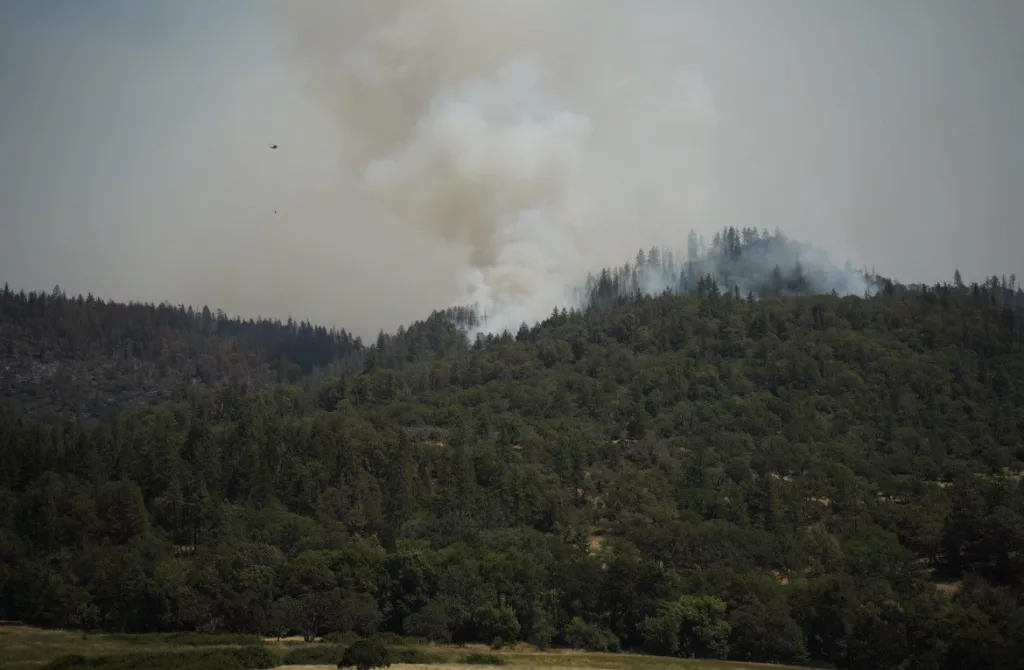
(24, 648)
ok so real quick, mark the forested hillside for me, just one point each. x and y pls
(772, 476)
(87, 357)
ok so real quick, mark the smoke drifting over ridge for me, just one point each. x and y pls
(546, 137)
(551, 139)
(136, 164)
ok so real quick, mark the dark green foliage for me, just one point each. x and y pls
(414, 656)
(582, 635)
(366, 654)
(244, 658)
(84, 355)
(692, 626)
(253, 657)
(320, 654)
(765, 631)
(390, 639)
(804, 479)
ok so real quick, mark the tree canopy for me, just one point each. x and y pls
(777, 477)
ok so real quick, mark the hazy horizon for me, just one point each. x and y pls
(137, 165)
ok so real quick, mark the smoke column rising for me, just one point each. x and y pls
(546, 137)
(136, 164)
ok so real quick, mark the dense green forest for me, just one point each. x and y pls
(731, 467)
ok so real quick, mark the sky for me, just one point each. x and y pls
(135, 159)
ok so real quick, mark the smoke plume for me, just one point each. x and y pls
(547, 137)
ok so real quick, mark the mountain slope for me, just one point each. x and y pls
(775, 480)
(87, 357)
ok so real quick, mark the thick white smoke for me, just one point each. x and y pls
(549, 137)
(493, 163)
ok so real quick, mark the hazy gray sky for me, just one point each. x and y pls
(135, 160)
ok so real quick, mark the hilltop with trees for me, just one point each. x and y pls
(736, 461)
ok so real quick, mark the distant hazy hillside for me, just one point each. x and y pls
(86, 356)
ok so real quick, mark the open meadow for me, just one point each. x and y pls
(26, 648)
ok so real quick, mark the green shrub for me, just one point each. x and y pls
(343, 639)
(583, 635)
(389, 639)
(244, 658)
(321, 654)
(253, 657)
(414, 656)
(483, 659)
(366, 654)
